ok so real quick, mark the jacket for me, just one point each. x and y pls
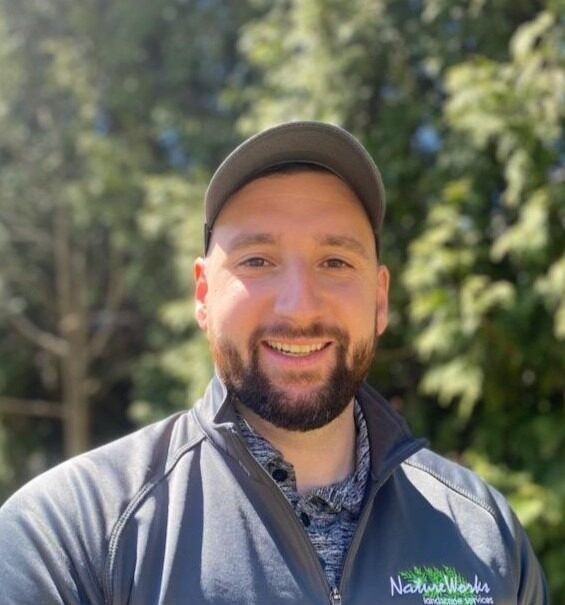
(181, 513)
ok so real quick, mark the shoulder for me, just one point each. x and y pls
(476, 514)
(439, 476)
(60, 523)
(118, 470)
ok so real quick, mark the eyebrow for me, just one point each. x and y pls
(250, 239)
(344, 241)
(335, 241)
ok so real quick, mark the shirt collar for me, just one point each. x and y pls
(347, 494)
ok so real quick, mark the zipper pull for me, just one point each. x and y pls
(335, 596)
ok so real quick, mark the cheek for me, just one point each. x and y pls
(360, 303)
(230, 306)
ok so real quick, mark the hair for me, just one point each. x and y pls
(289, 168)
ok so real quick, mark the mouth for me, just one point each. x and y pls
(296, 350)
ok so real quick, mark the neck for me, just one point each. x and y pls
(321, 456)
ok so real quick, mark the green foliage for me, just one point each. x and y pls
(479, 273)
(172, 210)
(103, 125)
(486, 282)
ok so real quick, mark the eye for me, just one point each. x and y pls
(336, 263)
(255, 261)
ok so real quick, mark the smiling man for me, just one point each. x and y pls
(291, 481)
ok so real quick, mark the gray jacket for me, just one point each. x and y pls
(180, 513)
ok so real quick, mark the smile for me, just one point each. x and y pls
(296, 349)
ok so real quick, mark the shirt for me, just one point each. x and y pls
(329, 514)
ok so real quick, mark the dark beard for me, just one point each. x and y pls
(253, 388)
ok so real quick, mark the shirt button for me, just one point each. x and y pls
(317, 501)
(279, 474)
(305, 519)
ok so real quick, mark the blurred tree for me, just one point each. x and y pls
(59, 185)
(486, 278)
(109, 116)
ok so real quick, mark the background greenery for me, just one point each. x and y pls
(113, 113)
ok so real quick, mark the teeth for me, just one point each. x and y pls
(291, 349)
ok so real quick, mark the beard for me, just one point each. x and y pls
(250, 385)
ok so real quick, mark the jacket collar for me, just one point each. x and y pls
(389, 436)
(390, 439)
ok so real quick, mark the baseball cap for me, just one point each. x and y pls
(319, 143)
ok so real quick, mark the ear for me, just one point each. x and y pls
(383, 282)
(200, 293)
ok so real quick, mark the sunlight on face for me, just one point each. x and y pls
(291, 297)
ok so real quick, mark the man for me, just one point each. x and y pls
(291, 481)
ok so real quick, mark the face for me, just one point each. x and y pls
(292, 298)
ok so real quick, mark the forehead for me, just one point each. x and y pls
(301, 201)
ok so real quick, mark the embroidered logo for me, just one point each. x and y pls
(441, 586)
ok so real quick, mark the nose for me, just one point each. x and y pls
(298, 297)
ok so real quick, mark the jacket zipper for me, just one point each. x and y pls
(335, 596)
(335, 593)
(362, 524)
(242, 449)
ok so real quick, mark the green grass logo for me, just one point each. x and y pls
(441, 586)
(435, 578)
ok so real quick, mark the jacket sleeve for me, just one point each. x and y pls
(532, 589)
(42, 559)
(56, 532)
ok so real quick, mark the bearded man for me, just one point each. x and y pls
(291, 481)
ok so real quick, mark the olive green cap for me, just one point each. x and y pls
(320, 143)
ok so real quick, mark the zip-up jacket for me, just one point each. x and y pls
(180, 513)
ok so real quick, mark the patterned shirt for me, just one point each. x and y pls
(328, 514)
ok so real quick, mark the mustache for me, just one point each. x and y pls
(285, 330)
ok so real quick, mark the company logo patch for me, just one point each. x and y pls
(440, 586)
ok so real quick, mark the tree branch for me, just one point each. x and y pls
(21, 276)
(37, 336)
(22, 233)
(114, 297)
(30, 407)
